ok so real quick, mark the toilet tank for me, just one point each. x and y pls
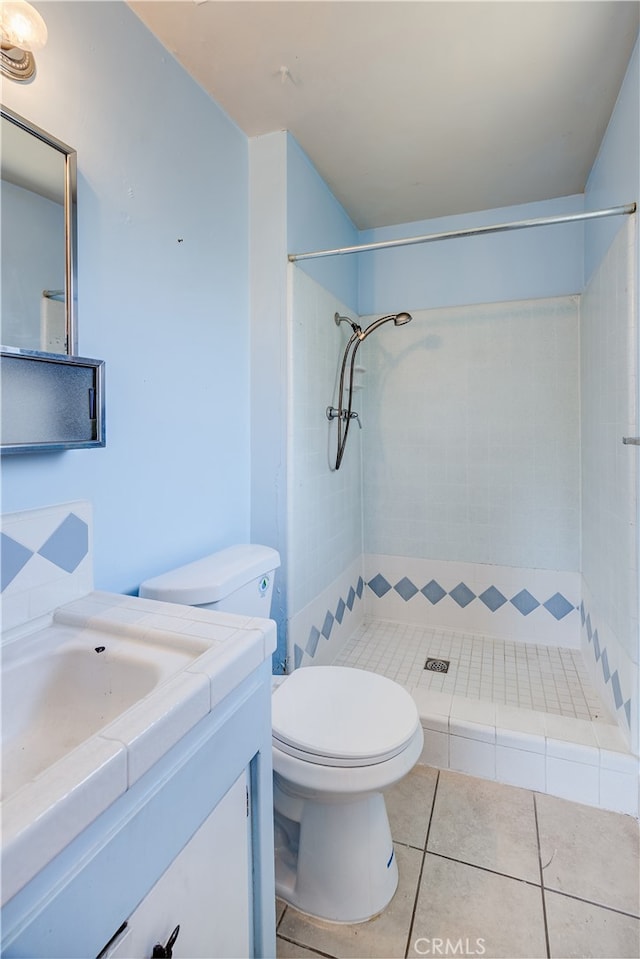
(238, 579)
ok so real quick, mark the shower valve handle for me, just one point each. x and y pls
(334, 414)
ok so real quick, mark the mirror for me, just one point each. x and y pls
(38, 273)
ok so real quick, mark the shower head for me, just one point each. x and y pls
(399, 319)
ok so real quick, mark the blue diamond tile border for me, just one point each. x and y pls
(342, 608)
(379, 585)
(492, 598)
(558, 606)
(406, 589)
(327, 626)
(462, 595)
(433, 592)
(312, 642)
(13, 557)
(524, 602)
(601, 655)
(68, 544)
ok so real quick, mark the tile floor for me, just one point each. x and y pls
(545, 678)
(491, 870)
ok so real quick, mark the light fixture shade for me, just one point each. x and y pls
(21, 26)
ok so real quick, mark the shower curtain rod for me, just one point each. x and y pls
(472, 231)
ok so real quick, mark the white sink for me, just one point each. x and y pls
(66, 683)
(93, 699)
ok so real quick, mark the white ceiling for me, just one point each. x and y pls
(412, 109)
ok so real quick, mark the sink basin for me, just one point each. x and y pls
(94, 696)
(66, 683)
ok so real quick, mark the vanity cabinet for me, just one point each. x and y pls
(210, 905)
(190, 844)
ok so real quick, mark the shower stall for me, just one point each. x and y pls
(485, 516)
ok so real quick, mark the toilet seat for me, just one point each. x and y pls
(342, 717)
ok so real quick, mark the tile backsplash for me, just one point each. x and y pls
(46, 557)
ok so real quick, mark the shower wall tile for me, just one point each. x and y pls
(611, 670)
(525, 605)
(609, 374)
(471, 435)
(46, 559)
(325, 505)
(319, 632)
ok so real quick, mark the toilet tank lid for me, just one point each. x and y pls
(213, 577)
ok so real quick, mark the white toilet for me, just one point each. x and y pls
(340, 736)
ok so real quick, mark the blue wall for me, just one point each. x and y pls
(316, 221)
(493, 268)
(163, 295)
(615, 176)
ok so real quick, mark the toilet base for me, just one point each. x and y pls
(334, 858)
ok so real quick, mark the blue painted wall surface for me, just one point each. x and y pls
(316, 221)
(163, 295)
(499, 267)
(615, 175)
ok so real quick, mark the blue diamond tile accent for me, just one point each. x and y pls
(406, 589)
(327, 626)
(606, 672)
(340, 610)
(589, 629)
(433, 591)
(13, 557)
(351, 598)
(379, 585)
(524, 602)
(492, 598)
(312, 642)
(596, 645)
(360, 587)
(582, 616)
(68, 545)
(462, 594)
(627, 712)
(617, 692)
(558, 606)
(297, 655)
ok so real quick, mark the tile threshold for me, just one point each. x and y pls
(580, 760)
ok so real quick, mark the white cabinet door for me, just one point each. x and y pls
(206, 891)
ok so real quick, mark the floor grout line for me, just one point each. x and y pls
(542, 888)
(301, 945)
(424, 856)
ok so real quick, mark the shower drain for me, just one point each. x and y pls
(437, 665)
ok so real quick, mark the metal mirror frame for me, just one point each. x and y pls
(70, 224)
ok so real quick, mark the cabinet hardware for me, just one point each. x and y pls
(165, 952)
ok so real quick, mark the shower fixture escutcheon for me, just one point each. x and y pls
(343, 414)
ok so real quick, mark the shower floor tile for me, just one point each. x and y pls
(525, 675)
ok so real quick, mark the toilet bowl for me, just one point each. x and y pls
(340, 737)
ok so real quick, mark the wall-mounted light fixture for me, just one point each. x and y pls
(22, 30)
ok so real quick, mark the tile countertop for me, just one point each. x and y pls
(45, 814)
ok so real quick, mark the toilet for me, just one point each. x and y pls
(340, 737)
